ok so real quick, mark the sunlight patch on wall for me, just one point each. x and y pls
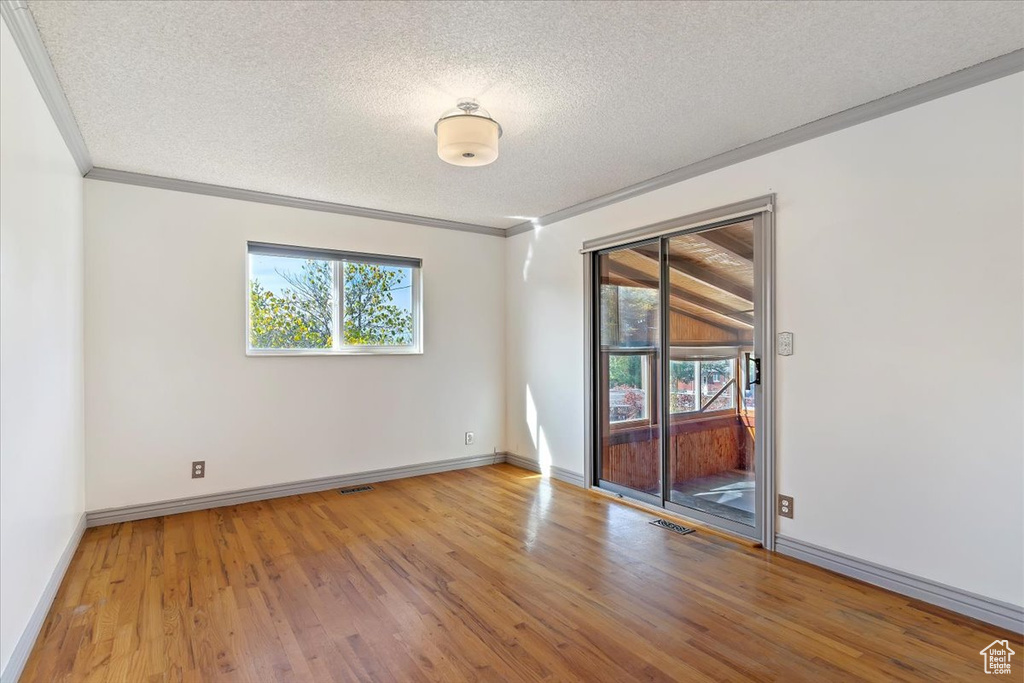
(537, 228)
(526, 263)
(543, 453)
(531, 417)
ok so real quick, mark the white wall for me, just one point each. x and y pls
(899, 269)
(168, 381)
(41, 443)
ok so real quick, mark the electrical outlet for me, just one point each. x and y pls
(786, 506)
(470, 438)
(198, 469)
(785, 344)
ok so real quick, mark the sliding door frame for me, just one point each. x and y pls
(761, 211)
(590, 356)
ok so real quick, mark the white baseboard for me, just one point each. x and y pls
(16, 664)
(979, 607)
(130, 513)
(559, 473)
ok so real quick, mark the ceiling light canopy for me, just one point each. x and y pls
(467, 135)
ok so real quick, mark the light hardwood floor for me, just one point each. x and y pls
(484, 574)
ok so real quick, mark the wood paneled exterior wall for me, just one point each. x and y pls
(699, 447)
(685, 329)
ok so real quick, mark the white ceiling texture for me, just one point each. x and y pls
(336, 101)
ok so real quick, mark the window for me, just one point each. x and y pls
(310, 301)
(629, 316)
(628, 384)
(717, 388)
(683, 390)
(709, 384)
(629, 337)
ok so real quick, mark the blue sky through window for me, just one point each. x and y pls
(266, 269)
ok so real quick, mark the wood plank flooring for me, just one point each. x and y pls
(486, 574)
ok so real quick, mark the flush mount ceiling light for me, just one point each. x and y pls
(467, 135)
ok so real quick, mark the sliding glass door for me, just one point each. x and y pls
(711, 450)
(678, 371)
(629, 360)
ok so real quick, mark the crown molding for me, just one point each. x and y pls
(26, 36)
(159, 182)
(22, 25)
(1005, 65)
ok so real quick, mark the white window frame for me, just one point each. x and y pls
(645, 381)
(680, 354)
(337, 347)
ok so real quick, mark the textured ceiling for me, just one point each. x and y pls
(336, 101)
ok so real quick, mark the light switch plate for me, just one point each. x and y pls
(785, 344)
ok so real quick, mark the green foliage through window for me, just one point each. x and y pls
(371, 316)
(300, 314)
(625, 371)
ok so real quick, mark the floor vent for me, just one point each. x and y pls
(354, 489)
(672, 526)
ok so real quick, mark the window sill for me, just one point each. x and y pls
(693, 415)
(293, 353)
(676, 418)
(630, 424)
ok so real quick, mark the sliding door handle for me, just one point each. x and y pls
(752, 376)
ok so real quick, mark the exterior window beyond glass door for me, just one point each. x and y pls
(629, 316)
(711, 428)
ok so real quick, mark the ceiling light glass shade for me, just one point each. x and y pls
(467, 136)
